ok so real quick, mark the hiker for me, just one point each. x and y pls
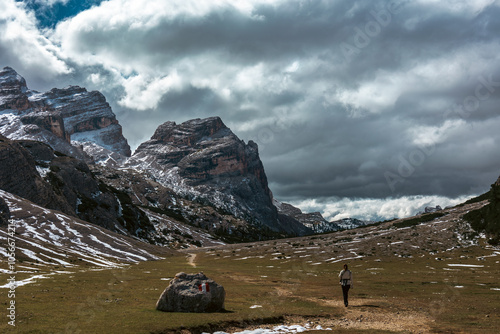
(345, 277)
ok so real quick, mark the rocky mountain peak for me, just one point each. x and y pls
(12, 89)
(87, 116)
(190, 132)
(10, 78)
(203, 159)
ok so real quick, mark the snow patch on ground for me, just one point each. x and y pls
(280, 329)
(465, 265)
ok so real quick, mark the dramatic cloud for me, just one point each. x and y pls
(22, 46)
(349, 101)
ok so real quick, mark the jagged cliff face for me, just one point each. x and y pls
(204, 150)
(87, 116)
(204, 160)
(60, 117)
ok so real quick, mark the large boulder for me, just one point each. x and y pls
(192, 293)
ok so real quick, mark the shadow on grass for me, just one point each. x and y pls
(365, 305)
(224, 311)
(210, 312)
(222, 325)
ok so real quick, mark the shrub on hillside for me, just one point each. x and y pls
(487, 219)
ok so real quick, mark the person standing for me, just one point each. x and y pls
(345, 277)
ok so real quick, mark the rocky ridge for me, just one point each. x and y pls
(201, 161)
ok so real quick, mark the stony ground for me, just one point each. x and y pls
(437, 236)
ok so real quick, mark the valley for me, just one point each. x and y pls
(94, 233)
(432, 277)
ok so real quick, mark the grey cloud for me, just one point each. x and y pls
(329, 128)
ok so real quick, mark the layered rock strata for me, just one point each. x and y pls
(60, 117)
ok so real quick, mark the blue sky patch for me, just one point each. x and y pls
(49, 15)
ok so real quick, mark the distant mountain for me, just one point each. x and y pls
(430, 209)
(316, 222)
(350, 223)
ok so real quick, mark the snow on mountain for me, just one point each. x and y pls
(47, 237)
(350, 223)
(87, 116)
(201, 159)
(59, 116)
(316, 222)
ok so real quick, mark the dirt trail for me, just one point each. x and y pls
(191, 259)
(369, 314)
(365, 314)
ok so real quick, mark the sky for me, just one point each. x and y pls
(365, 109)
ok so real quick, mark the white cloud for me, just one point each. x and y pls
(144, 93)
(375, 209)
(119, 34)
(468, 8)
(50, 3)
(24, 45)
(380, 92)
(433, 135)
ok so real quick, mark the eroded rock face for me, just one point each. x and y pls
(204, 149)
(26, 180)
(59, 117)
(204, 159)
(87, 116)
(51, 121)
(192, 293)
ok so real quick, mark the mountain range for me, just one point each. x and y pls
(72, 157)
(64, 159)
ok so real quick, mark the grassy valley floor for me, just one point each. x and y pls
(423, 278)
(457, 293)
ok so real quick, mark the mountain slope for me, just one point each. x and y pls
(487, 219)
(48, 237)
(315, 221)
